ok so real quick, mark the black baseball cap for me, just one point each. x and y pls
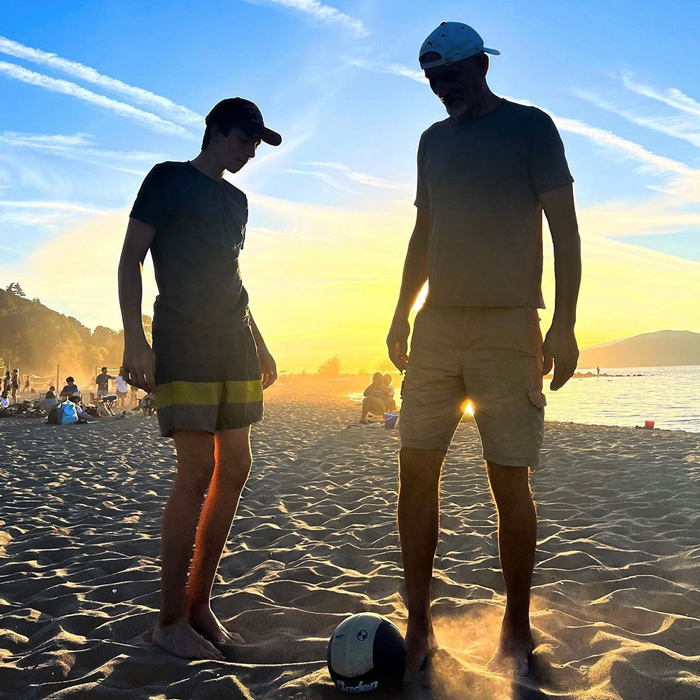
(235, 111)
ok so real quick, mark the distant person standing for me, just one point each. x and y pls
(7, 382)
(28, 383)
(102, 382)
(122, 388)
(597, 369)
(14, 384)
(484, 176)
(209, 362)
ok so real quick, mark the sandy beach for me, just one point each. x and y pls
(616, 599)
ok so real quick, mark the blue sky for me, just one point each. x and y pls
(92, 94)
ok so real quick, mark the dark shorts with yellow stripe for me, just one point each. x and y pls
(207, 382)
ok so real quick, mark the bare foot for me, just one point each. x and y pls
(512, 656)
(419, 645)
(207, 624)
(181, 640)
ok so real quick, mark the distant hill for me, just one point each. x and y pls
(660, 349)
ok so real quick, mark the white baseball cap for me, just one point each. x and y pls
(452, 42)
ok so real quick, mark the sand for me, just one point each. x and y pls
(616, 605)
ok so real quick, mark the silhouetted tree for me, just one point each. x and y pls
(331, 367)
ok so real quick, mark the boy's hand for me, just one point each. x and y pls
(139, 365)
(268, 367)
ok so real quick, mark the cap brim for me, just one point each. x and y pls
(493, 52)
(271, 137)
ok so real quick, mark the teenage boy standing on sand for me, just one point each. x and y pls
(209, 363)
(484, 176)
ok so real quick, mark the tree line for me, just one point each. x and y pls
(35, 339)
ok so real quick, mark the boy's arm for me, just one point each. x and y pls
(139, 361)
(268, 367)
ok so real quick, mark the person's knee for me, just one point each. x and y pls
(420, 468)
(195, 475)
(509, 485)
(235, 470)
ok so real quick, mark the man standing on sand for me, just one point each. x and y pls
(484, 176)
(209, 363)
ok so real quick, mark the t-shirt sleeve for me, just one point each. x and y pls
(155, 199)
(422, 197)
(548, 166)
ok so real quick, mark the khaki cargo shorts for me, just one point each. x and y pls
(491, 356)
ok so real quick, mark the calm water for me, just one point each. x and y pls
(670, 396)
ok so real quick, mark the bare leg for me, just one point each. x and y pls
(233, 462)
(419, 525)
(517, 539)
(195, 464)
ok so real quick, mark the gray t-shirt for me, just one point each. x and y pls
(481, 179)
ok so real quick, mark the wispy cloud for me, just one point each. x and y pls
(49, 217)
(363, 178)
(324, 177)
(391, 68)
(54, 206)
(325, 14)
(65, 87)
(672, 97)
(685, 128)
(80, 147)
(169, 108)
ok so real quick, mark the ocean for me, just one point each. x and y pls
(669, 396)
(629, 396)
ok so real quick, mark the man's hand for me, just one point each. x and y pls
(397, 342)
(139, 365)
(268, 367)
(561, 350)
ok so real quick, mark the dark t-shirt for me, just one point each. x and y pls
(200, 229)
(102, 381)
(481, 179)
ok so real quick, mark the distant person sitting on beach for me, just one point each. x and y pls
(377, 398)
(70, 389)
(391, 402)
(4, 400)
(209, 361)
(148, 405)
(122, 388)
(102, 382)
(485, 175)
(50, 398)
(14, 384)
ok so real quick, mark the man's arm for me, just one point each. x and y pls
(415, 274)
(138, 362)
(560, 347)
(268, 367)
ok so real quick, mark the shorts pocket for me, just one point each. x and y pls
(537, 398)
(538, 401)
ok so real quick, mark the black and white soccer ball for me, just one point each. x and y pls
(366, 653)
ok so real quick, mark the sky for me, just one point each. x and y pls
(93, 94)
